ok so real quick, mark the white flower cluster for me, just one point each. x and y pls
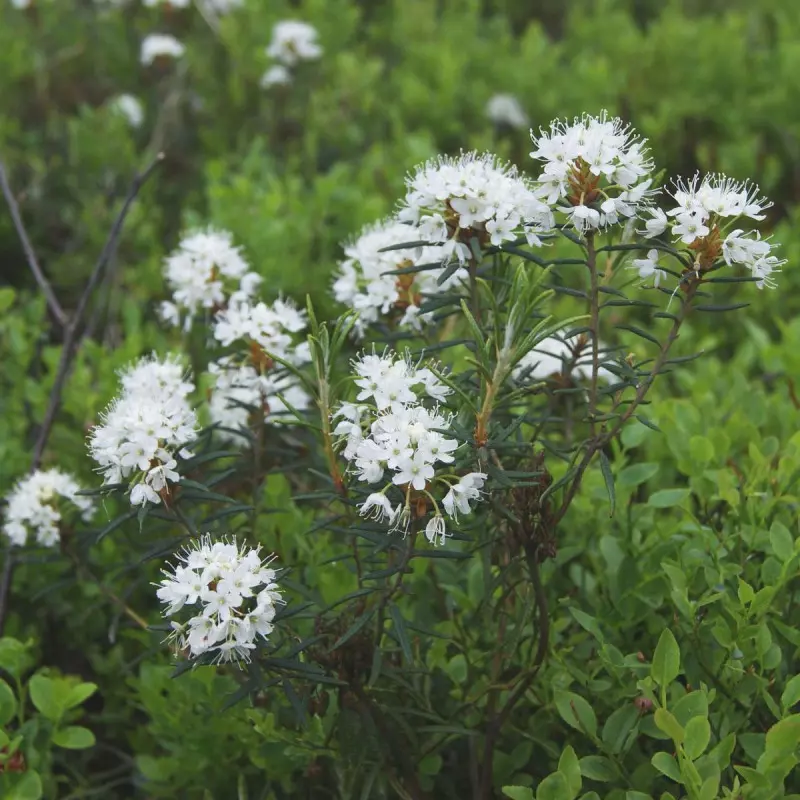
(234, 591)
(363, 285)
(241, 389)
(33, 506)
(562, 356)
(697, 221)
(505, 109)
(129, 107)
(389, 430)
(160, 45)
(256, 383)
(206, 271)
(145, 428)
(595, 171)
(453, 200)
(292, 41)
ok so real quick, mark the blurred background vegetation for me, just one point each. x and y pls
(293, 171)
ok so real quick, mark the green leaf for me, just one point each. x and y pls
(598, 768)
(619, 726)
(608, 477)
(570, 767)
(693, 704)
(666, 765)
(698, 735)
(791, 694)
(74, 737)
(15, 658)
(666, 722)
(667, 498)
(781, 541)
(29, 787)
(666, 660)
(7, 296)
(402, 634)
(553, 787)
(636, 474)
(518, 792)
(576, 712)
(354, 628)
(77, 694)
(8, 703)
(588, 623)
(701, 450)
(44, 695)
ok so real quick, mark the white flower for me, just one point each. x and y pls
(145, 428)
(129, 107)
(21, 3)
(363, 284)
(559, 355)
(377, 505)
(271, 327)
(656, 225)
(234, 594)
(505, 109)
(172, 3)
(276, 75)
(763, 268)
(34, 507)
(435, 531)
(390, 430)
(689, 226)
(206, 271)
(454, 199)
(593, 162)
(158, 45)
(294, 41)
(223, 6)
(240, 390)
(648, 267)
(457, 500)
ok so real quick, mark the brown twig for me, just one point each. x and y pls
(30, 255)
(68, 352)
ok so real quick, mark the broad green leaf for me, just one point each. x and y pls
(693, 704)
(15, 657)
(518, 792)
(666, 722)
(666, 659)
(619, 726)
(44, 693)
(666, 765)
(569, 766)
(781, 541)
(28, 787)
(553, 787)
(77, 694)
(791, 694)
(698, 735)
(576, 712)
(636, 474)
(667, 498)
(701, 450)
(8, 703)
(74, 737)
(598, 768)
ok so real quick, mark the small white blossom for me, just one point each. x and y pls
(129, 107)
(240, 391)
(206, 271)
(144, 429)
(648, 267)
(294, 41)
(505, 109)
(35, 507)
(557, 356)
(656, 225)
(233, 592)
(457, 500)
(276, 75)
(363, 285)
(158, 45)
(596, 171)
(435, 530)
(452, 200)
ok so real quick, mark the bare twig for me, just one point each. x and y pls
(68, 351)
(30, 255)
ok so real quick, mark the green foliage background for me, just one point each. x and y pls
(292, 173)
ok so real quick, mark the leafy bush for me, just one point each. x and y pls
(594, 598)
